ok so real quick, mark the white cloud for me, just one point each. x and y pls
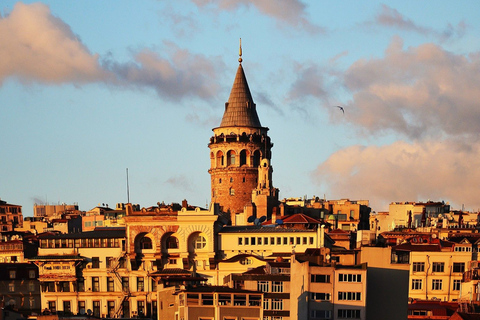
(435, 170)
(421, 91)
(36, 46)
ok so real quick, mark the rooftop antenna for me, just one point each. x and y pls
(128, 190)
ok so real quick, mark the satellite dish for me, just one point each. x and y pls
(251, 219)
(262, 219)
(256, 221)
(279, 221)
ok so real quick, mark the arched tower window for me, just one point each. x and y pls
(146, 243)
(219, 159)
(256, 158)
(243, 157)
(231, 158)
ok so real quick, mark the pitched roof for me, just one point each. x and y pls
(240, 110)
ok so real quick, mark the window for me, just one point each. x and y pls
(351, 296)
(81, 307)
(322, 278)
(81, 285)
(240, 241)
(207, 299)
(457, 284)
(252, 241)
(31, 274)
(224, 299)
(239, 300)
(263, 286)
(418, 267)
(140, 284)
(438, 267)
(31, 286)
(320, 296)
(459, 267)
(52, 306)
(437, 284)
(321, 314)
(96, 309)
(11, 287)
(95, 262)
(348, 313)
(65, 286)
(200, 242)
(12, 274)
(277, 304)
(416, 284)
(67, 306)
(110, 284)
(141, 308)
(146, 243)
(111, 308)
(232, 191)
(95, 284)
(348, 277)
(277, 286)
(254, 301)
(154, 285)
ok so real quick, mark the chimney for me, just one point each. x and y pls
(184, 204)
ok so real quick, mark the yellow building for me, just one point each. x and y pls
(436, 267)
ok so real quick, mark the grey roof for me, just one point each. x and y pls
(240, 110)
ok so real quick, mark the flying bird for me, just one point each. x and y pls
(341, 108)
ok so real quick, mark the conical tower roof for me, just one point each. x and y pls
(240, 110)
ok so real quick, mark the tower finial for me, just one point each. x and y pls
(240, 52)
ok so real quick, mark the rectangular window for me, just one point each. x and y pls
(320, 278)
(81, 307)
(304, 240)
(438, 267)
(277, 286)
(437, 284)
(246, 241)
(141, 308)
(259, 241)
(11, 287)
(154, 285)
(263, 286)
(348, 277)
(31, 286)
(320, 296)
(240, 241)
(81, 285)
(457, 284)
(265, 240)
(239, 300)
(95, 262)
(311, 240)
(224, 299)
(52, 306)
(279, 241)
(67, 307)
(459, 267)
(252, 241)
(95, 284)
(254, 300)
(321, 314)
(272, 241)
(192, 299)
(96, 309)
(31, 274)
(12, 274)
(207, 299)
(140, 284)
(110, 284)
(350, 296)
(125, 284)
(416, 284)
(418, 267)
(348, 313)
(285, 240)
(277, 304)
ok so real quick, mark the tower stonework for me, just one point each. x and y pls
(237, 148)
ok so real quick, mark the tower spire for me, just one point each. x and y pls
(240, 52)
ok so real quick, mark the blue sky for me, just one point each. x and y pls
(90, 88)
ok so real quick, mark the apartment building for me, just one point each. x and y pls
(10, 216)
(19, 287)
(436, 267)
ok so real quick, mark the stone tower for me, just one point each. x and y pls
(237, 149)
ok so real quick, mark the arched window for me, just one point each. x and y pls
(172, 242)
(219, 159)
(256, 158)
(243, 157)
(146, 243)
(200, 242)
(231, 158)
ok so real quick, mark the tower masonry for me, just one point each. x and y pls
(237, 149)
